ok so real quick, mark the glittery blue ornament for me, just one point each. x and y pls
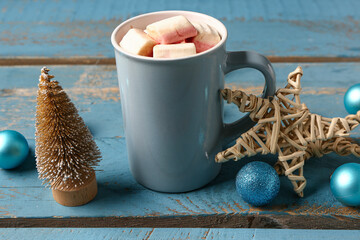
(352, 99)
(257, 183)
(345, 184)
(13, 149)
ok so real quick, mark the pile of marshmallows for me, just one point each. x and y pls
(173, 37)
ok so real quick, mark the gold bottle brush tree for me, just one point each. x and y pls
(66, 153)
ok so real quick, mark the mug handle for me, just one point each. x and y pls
(247, 59)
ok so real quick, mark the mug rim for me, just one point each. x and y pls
(151, 59)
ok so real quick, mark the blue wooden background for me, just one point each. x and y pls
(82, 28)
(177, 233)
(94, 91)
(76, 31)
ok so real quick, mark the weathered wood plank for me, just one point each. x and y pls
(31, 61)
(82, 29)
(288, 234)
(123, 202)
(94, 90)
(175, 233)
(75, 233)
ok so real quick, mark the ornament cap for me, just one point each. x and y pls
(77, 196)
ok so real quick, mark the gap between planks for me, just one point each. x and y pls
(211, 221)
(111, 61)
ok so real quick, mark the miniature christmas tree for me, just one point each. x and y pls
(65, 150)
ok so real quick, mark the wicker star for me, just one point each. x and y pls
(285, 126)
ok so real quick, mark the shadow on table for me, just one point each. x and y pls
(317, 171)
(28, 165)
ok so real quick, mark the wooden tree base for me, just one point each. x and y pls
(77, 196)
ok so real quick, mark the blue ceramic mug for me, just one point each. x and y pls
(172, 108)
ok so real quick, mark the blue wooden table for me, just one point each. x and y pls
(72, 38)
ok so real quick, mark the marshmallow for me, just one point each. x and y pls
(206, 38)
(137, 42)
(174, 50)
(171, 30)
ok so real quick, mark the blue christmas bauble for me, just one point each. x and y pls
(13, 149)
(345, 184)
(257, 183)
(352, 99)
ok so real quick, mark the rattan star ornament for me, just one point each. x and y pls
(285, 126)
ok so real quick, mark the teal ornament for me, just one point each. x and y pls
(13, 149)
(257, 183)
(352, 99)
(345, 184)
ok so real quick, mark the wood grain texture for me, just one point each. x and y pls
(20, 61)
(213, 221)
(67, 29)
(175, 233)
(94, 90)
(121, 202)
